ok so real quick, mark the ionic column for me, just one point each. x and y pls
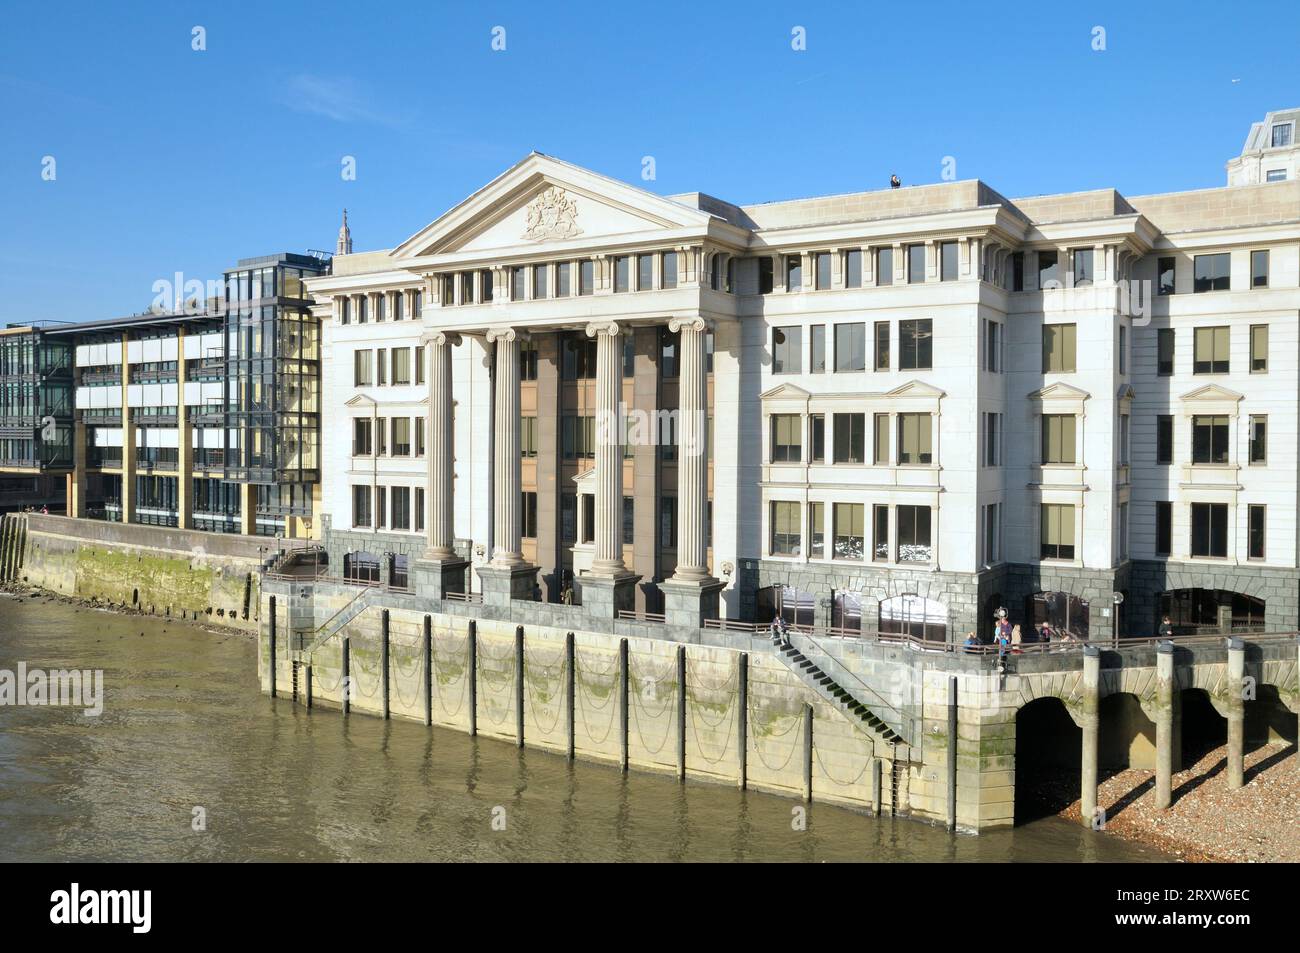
(438, 499)
(692, 455)
(608, 559)
(506, 548)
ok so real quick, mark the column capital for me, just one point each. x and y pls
(610, 328)
(508, 335)
(440, 338)
(694, 323)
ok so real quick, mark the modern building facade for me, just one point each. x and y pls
(891, 410)
(206, 417)
(36, 414)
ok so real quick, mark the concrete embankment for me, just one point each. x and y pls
(208, 577)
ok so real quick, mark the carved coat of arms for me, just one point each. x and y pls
(552, 215)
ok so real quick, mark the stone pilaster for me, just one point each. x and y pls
(1165, 700)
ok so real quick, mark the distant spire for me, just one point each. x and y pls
(345, 237)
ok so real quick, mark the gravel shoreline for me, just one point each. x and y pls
(1207, 822)
(26, 593)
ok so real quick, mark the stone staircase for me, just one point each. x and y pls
(877, 718)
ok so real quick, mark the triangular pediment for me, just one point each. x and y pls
(1060, 391)
(1212, 392)
(542, 201)
(1125, 392)
(785, 392)
(915, 389)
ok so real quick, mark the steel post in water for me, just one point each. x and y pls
(807, 752)
(742, 724)
(622, 704)
(952, 753)
(877, 784)
(1164, 724)
(383, 651)
(346, 679)
(519, 686)
(681, 713)
(428, 671)
(1088, 722)
(1236, 714)
(308, 677)
(271, 640)
(472, 660)
(572, 683)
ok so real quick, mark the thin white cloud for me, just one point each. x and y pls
(339, 98)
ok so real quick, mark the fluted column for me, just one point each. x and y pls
(507, 551)
(692, 455)
(438, 500)
(608, 559)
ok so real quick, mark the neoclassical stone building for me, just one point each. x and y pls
(889, 410)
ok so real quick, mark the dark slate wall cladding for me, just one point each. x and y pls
(1097, 586)
(339, 542)
(1279, 588)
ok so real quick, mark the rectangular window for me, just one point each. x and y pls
(1255, 531)
(850, 438)
(528, 360)
(914, 447)
(381, 366)
(1281, 135)
(916, 345)
(1210, 529)
(528, 436)
(401, 436)
(1082, 264)
(817, 349)
(1165, 352)
(817, 434)
(914, 534)
(401, 507)
(786, 444)
(1259, 269)
(346, 315)
(1275, 175)
(1057, 530)
(1018, 271)
(568, 517)
(765, 278)
(993, 347)
(645, 272)
(1258, 348)
(992, 534)
(363, 368)
(485, 283)
(381, 436)
(622, 273)
(588, 518)
(361, 437)
(1210, 351)
(1059, 342)
(992, 439)
(884, 266)
(1121, 531)
(1165, 276)
(629, 520)
(1121, 349)
(787, 534)
(540, 274)
(1210, 439)
(881, 440)
(850, 347)
(948, 261)
(1164, 439)
(518, 280)
(419, 436)
(1058, 438)
(1212, 273)
(1049, 272)
(1164, 528)
(882, 345)
(668, 522)
(668, 270)
(853, 269)
(816, 531)
(563, 284)
(915, 264)
(361, 506)
(793, 273)
(787, 350)
(880, 533)
(419, 509)
(528, 514)
(1123, 440)
(1258, 439)
(822, 274)
(586, 277)
(419, 365)
(849, 536)
(401, 357)
(466, 293)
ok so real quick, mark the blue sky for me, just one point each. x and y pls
(168, 159)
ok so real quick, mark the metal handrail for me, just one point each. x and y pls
(635, 616)
(875, 701)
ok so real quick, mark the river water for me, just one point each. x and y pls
(184, 727)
